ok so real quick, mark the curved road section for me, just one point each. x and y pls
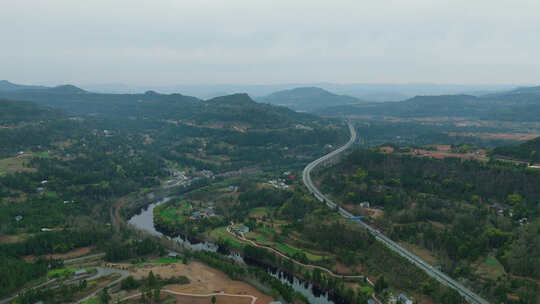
(470, 296)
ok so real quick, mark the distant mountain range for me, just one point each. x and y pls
(519, 104)
(376, 92)
(307, 99)
(9, 86)
(230, 108)
(522, 104)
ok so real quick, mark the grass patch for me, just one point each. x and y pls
(166, 261)
(492, 261)
(259, 211)
(51, 194)
(175, 212)
(291, 251)
(258, 237)
(92, 301)
(13, 164)
(286, 249)
(367, 290)
(222, 233)
(43, 155)
(63, 273)
(490, 268)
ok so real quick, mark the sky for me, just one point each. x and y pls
(270, 42)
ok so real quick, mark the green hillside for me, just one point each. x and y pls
(520, 105)
(308, 99)
(527, 151)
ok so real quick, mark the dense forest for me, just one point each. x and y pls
(508, 106)
(60, 174)
(528, 151)
(68, 155)
(462, 211)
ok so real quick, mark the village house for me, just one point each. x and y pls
(241, 229)
(364, 204)
(499, 208)
(80, 272)
(402, 298)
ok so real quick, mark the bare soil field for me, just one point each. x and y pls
(425, 254)
(13, 238)
(15, 164)
(441, 154)
(204, 280)
(347, 270)
(386, 149)
(504, 136)
(199, 300)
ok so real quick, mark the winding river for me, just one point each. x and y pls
(145, 221)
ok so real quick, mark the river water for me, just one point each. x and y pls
(145, 221)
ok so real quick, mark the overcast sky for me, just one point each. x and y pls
(268, 42)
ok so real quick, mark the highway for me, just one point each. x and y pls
(444, 279)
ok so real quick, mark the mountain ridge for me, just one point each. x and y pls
(307, 98)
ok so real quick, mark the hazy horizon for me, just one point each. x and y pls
(271, 42)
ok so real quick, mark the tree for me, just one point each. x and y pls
(83, 284)
(151, 279)
(104, 297)
(213, 299)
(157, 293)
(380, 284)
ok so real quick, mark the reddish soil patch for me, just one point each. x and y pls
(375, 213)
(441, 154)
(203, 280)
(438, 224)
(425, 254)
(347, 270)
(63, 256)
(11, 239)
(200, 300)
(505, 136)
(386, 149)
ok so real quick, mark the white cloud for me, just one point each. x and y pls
(234, 41)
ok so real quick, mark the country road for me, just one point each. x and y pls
(101, 272)
(444, 279)
(242, 238)
(253, 298)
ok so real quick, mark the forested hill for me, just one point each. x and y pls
(307, 99)
(527, 151)
(77, 101)
(13, 112)
(516, 105)
(240, 107)
(8, 86)
(152, 105)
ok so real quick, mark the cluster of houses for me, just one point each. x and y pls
(303, 127)
(504, 210)
(207, 173)
(179, 179)
(278, 183)
(240, 229)
(202, 214)
(41, 189)
(400, 299)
